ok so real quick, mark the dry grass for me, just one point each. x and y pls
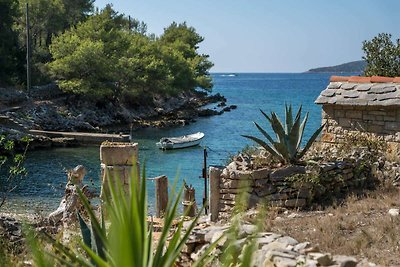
(359, 227)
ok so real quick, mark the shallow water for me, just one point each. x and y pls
(44, 186)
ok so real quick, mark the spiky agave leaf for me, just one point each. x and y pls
(267, 147)
(301, 131)
(294, 136)
(269, 138)
(289, 118)
(289, 136)
(85, 231)
(311, 141)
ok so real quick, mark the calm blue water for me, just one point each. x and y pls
(44, 185)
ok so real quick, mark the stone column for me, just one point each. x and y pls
(119, 161)
(215, 177)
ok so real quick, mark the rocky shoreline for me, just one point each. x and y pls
(48, 108)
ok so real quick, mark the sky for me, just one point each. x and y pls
(272, 35)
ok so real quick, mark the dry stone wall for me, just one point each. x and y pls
(271, 249)
(288, 187)
(342, 120)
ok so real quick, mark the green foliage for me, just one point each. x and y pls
(287, 147)
(11, 57)
(382, 56)
(110, 56)
(48, 18)
(12, 162)
(128, 240)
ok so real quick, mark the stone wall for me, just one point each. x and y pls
(379, 121)
(289, 187)
(271, 249)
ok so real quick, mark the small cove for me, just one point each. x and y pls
(44, 186)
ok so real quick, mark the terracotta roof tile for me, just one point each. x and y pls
(339, 78)
(359, 79)
(380, 79)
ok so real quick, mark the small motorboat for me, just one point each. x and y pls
(180, 141)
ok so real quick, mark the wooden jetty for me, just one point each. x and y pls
(84, 138)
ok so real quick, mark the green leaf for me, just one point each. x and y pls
(311, 141)
(266, 146)
(264, 133)
(85, 230)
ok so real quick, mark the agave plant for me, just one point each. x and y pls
(128, 238)
(287, 147)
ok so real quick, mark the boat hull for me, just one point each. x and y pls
(180, 142)
(179, 145)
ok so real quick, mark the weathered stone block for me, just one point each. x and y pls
(228, 196)
(277, 196)
(261, 173)
(378, 122)
(233, 190)
(345, 122)
(389, 118)
(283, 173)
(369, 117)
(295, 203)
(264, 191)
(375, 128)
(339, 113)
(229, 183)
(354, 114)
(237, 175)
(392, 126)
(228, 202)
(377, 112)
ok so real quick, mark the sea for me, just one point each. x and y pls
(41, 191)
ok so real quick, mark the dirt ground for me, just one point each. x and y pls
(359, 226)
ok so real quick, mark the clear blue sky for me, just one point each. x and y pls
(272, 35)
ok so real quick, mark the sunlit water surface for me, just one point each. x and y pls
(43, 188)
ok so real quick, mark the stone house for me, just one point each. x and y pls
(361, 104)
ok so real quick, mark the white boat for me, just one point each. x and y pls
(180, 141)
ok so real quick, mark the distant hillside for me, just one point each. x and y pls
(354, 66)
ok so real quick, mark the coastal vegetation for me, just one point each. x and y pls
(287, 147)
(12, 169)
(100, 54)
(382, 56)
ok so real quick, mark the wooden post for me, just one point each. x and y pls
(161, 195)
(214, 175)
(28, 52)
(205, 201)
(189, 200)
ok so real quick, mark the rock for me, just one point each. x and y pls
(323, 259)
(274, 245)
(233, 106)
(261, 241)
(285, 262)
(287, 240)
(345, 261)
(248, 229)
(295, 203)
(198, 252)
(301, 247)
(261, 173)
(394, 212)
(208, 112)
(282, 174)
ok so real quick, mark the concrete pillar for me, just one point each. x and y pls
(119, 161)
(214, 195)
